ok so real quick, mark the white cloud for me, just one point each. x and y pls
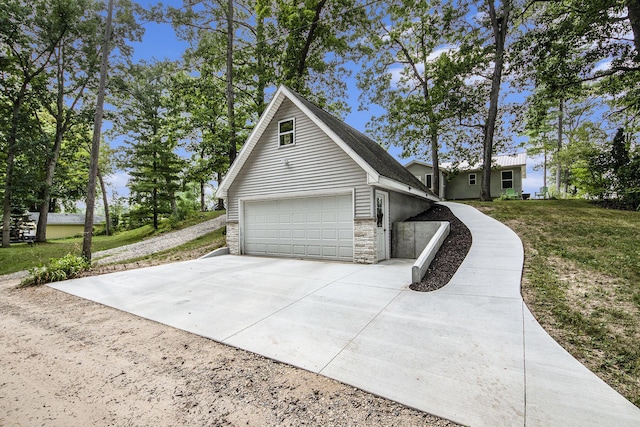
(400, 73)
(117, 182)
(439, 51)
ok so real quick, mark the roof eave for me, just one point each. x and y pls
(248, 147)
(390, 184)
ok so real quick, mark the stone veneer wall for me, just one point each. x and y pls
(364, 242)
(233, 238)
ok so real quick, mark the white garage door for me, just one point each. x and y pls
(310, 227)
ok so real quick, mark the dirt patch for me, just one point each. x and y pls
(69, 361)
(451, 254)
(598, 295)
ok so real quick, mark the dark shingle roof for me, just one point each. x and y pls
(372, 153)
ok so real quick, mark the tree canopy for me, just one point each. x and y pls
(450, 80)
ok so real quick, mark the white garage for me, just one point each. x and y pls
(306, 227)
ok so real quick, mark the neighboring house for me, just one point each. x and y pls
(61, 225)
(306, 185)
(507, 171)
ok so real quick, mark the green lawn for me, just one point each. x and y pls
(582, 280)
(22, 256)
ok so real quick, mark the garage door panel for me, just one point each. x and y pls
(345, 234)
(329, 251)
(298, 234)
(316, 227)
(285, 249)
(329, 234)
(345, 252)
(329, 217)
(314, 234)
(312, 217)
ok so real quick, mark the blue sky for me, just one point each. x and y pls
(160, 42)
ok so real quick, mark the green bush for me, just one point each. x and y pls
(63, 268)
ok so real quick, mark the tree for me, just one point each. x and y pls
(500, 20)
(542, 115)
(607, 35)
(419, 59)
(95, 143)
(146, 119)
(313, 40)
(201, 101)
(75, 63)
(29, 33)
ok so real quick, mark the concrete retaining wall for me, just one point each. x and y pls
(410, 238)
(420, 267)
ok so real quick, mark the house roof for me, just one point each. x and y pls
(381, 168)
(64, 218)
(501, 161)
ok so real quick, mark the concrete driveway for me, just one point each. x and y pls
(470, 352)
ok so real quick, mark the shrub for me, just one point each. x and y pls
(63, 268)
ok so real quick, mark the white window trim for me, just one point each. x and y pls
(426, 180)
(502, 180)
(292, 132)
(475, 179)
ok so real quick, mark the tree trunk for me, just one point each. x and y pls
(203, 206)
(500, 26)
(435, 178)
(154, 200)
(220, 204)
(544, 169)
(54, 155)
(302, 59)
(95, 143)
(633, 8)
(558, 166)
(105, 201)
(6, 205)
(260, 47)
(41, 230)
(11, 152)
(230, 90)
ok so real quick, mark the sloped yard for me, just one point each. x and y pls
(582, 281)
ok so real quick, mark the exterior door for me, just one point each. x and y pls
(382, 225)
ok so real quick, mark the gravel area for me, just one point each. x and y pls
(451, 254)
(158, 243)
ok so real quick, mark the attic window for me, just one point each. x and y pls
(286, 132)
(472, 179)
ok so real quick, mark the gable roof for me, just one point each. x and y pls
(381, 168)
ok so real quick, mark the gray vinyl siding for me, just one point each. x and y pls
(459, 188)
(315, 163)
(419, 171)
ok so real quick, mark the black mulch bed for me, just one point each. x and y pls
(451, 253)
